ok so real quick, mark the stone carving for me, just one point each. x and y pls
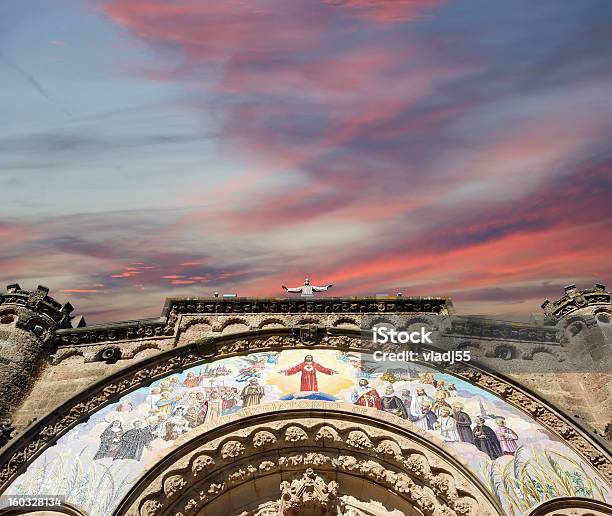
(263, 438)
(295, 434)
(232, 449)
(151, 508)
(241, 474)
(389, 447)
(400, 473)
(201, 464)
(167, 324)
(174, 484)
(574, 300)
(482, 328)
(568, 506)
(309, 495)
(327, 433)
(357, 439)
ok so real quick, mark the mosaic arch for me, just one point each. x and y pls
(519, 461)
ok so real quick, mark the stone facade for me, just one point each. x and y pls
(57, 371)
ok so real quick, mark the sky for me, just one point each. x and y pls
(164, 148)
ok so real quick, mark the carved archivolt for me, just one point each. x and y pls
(310, 440)
(25, 448)
(570, 506)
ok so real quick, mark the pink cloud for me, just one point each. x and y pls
(385, 11)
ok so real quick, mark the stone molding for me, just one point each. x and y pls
(174, 308)
(25, 448)
(571, 506)
(359, 441)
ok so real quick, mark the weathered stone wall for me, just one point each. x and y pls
(566, 364)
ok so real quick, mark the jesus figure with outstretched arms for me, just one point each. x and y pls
(307, 290)
(309, 369)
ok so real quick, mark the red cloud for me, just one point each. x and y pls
(386, 10)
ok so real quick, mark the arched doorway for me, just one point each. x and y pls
(305, 457)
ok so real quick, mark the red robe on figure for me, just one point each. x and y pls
(309, 374)
(367, 397)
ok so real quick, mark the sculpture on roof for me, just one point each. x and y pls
(307, 290)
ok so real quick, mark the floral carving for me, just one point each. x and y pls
(232, 449)
(358, 439)
(266, 465)
(174, 484)
(295, 434)
(327, 433)
(201, 463)
(263, 438)
(389, 447)
(242, 474)
(150, 508)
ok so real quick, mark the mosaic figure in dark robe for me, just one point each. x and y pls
(202, 408)
(392, 403)
(134, 442)
(252, 394)
(464, 423)
(486, 440)
(426, 418)
(109, 440)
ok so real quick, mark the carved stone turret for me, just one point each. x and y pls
(28, 321)
(590, 300)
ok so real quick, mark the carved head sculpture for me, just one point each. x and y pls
(306, 281)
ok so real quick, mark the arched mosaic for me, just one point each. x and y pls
(516, 458)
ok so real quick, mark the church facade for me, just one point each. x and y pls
(278, 406)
